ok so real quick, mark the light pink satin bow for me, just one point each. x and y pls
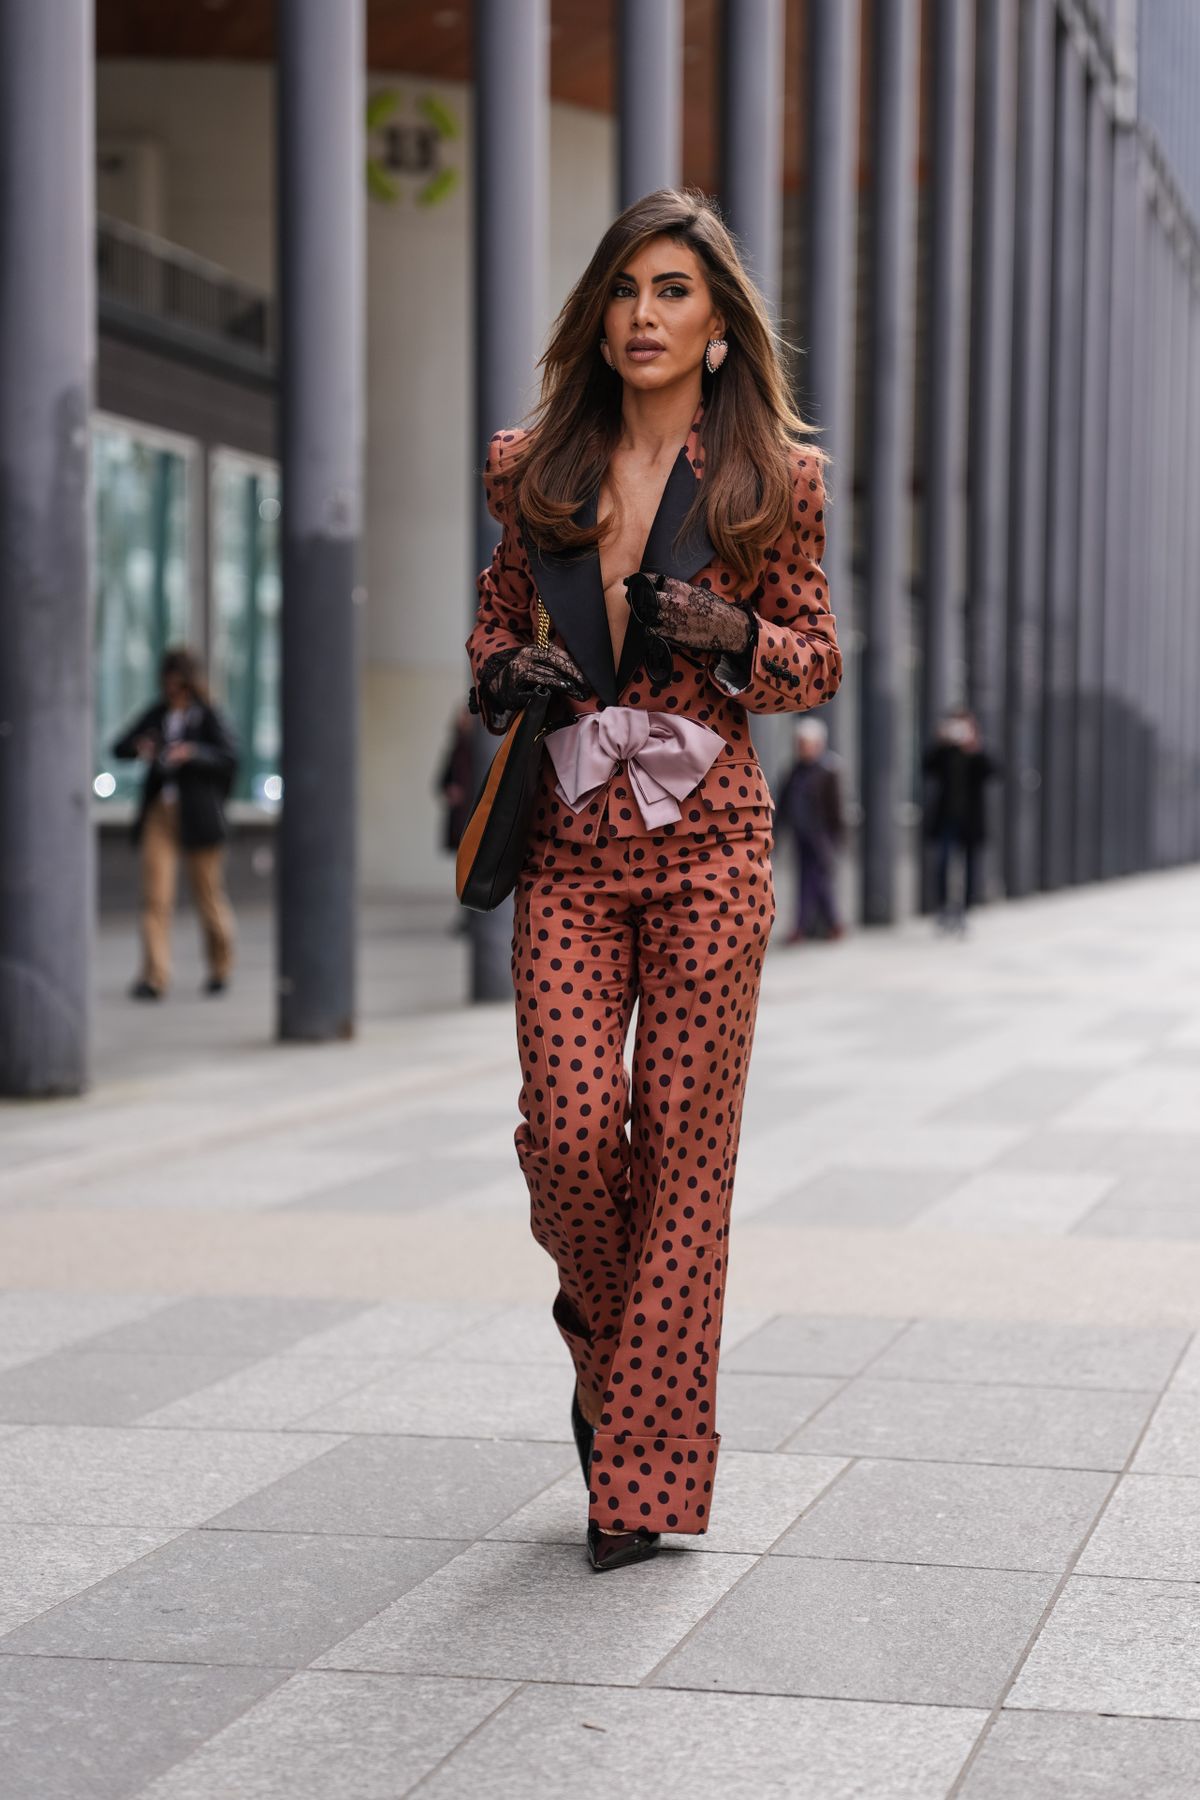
(666, 758)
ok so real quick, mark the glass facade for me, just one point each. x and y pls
(148, 593)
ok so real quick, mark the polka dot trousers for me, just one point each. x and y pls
(630, 1171)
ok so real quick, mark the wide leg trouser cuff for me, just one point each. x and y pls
(661, 1483)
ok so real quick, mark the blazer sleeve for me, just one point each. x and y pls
(794, 662)
(125, 746)
(507, 595)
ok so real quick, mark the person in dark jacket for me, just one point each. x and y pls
(957, 771)
(191, 758)
(455, 780)
(810, 809)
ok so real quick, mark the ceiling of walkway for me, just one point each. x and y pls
(433, 38)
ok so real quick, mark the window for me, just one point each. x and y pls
(143, 591)
(246, 593)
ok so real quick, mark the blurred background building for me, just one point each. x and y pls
(976, 218)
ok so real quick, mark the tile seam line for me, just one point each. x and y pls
(517, 1689)
(956, 1787)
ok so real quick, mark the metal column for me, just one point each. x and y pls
(893, 150)
(649, 97)
(1089, 667)
(47, 353)
(321, 285)
(989, 418)
(510, 276)
(827, 375)
(1190, 662)
(943, 665)
(1030, 383)
(1121, 561)
(751, 111)
(1060, 636)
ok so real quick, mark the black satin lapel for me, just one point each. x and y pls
(573, 593)
(661, 557)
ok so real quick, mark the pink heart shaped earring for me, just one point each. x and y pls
(606, 353)
(715, 354)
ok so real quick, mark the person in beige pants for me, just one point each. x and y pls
(191, 758)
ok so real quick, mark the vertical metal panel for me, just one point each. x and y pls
(989, 416)
(751, 81)
(1158, 520)
(895, 43)
(1030, 387)
(1190, 660)
(832, 115)
(943, 644)
(321, 266)
(1137, 504)
(1061, 628)
(1089, 672)
(510, 223)
(47, 356)
(649, 95)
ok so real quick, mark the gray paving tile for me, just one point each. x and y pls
(325, 1734)
(1030, 1096)
(970, 1514)
(1051, 1428)
(1101, 1150)
(758, 1412)
(397, 1328)
(407, 1487)
(228, 1325)
(40, 1321)
(1150, 1529)
(647, 1744)
(103, 1387)
(516, 1334)
(1003, 1201)
(1065, 1756)
(43, 1564)
(1186, 1379)
(276, 1598)
(1172, 1444)
(526, 1612)
(1064, 1356)
(864, 1631)
(91, 1730)
(856, 1198)
(97, 1475)
(1111, 1220)
(443, 1399)
(1117, 1647)
(272, 1394)
(756, 1498)
(938, 1421)
(406, 1187)
(791, 1345)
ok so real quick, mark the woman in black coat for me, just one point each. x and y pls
(957, 771)
(191, 759)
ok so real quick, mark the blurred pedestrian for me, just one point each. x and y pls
(191, 758)
(810, 812)
(957, 771)
(454, 779)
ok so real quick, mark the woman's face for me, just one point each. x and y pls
(660, 315)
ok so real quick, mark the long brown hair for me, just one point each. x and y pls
(750, 428)
(183, 662)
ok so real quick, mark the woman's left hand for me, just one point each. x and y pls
(693, 617)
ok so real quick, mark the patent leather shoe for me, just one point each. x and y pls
(617, 1549)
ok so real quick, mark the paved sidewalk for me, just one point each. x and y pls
(288, 1503)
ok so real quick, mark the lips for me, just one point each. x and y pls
(643, 349)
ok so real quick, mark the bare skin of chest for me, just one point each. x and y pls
(639, 488)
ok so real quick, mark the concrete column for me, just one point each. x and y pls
(1063, 599)
(512, 79)
(1122, 562)
(751, 108)
(47, 356)
(1137, 504)
(1030, 390)
(831, 85)
(1158, 472)
(649, 96)
(321, 284)
(1090, 673)
(989, 417)
(1173, 430)
(893, 152)
(1190, 662)
(943, 667)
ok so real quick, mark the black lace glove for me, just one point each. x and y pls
(509, 679)
(693, 617)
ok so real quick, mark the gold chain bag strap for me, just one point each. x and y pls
(492, 846)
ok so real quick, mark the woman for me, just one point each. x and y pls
(191, 759)
(672, 525)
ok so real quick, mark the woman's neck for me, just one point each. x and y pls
(655, 422)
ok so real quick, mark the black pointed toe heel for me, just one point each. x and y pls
(616, 1550)
(584, 1434)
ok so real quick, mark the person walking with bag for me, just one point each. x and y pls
(191, 758)
(658, 574)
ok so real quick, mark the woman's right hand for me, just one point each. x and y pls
(510, 679)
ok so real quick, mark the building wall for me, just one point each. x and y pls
(209, 128)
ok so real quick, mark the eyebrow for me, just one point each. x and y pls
(671, 275)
